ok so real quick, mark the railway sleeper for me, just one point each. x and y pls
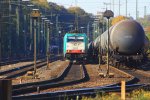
(102, 75)
(29, 73)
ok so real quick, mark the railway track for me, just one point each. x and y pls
(72, 94)
(73, 74)
(13, 73)
(75, 94)
(141, 77)
(141, 80)
(140, 72)
(7, 62)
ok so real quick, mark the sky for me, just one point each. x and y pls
(94, 6)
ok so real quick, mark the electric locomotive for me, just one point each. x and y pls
(75, 46)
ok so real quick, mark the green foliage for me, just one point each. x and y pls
(145, 21)
(56, 8)
(118, 19)
(148, 35)
(103, 97)
(83, 16)
(135, 95)
(140, 95)
(42, 3)
(77, 10)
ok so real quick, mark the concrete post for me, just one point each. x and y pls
(123, 90)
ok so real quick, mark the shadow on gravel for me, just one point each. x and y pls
(51, 84)
(87, 78)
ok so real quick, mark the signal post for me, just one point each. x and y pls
(35, 14)
(108, 14)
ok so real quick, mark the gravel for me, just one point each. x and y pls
(95, 79)
(44, 73)
(12, 66)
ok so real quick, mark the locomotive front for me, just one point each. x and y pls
(75, 46)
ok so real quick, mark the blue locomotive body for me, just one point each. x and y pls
(75, 46)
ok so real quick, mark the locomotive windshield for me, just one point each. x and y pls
(75, 39)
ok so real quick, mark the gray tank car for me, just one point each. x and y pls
(127, 37)
(127, 41)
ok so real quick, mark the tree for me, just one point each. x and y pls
(77, 10)
(118, 19)
(145, 21)
(42, 3)
(147, 29)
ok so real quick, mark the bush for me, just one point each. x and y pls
(135, 95)
(140, 95)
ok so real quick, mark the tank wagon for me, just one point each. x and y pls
(127, 42)
(75, 46)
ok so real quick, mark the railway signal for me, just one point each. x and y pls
(108, 14)
(35, 14)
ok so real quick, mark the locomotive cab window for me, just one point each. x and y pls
(75, 39)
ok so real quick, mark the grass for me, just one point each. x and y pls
(112, 96)
(140, 95)
(135, 95)
(148, 35)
